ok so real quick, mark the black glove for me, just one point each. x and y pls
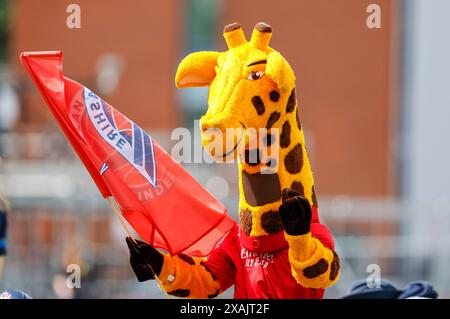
(295, 213)
(144, 259)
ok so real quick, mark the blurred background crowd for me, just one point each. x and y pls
(374, 104)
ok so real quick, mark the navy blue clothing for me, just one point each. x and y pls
(421, 289)
(14, 294)
(3, 232)
(360, 290)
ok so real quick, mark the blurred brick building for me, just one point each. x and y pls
(139, 40)
(346, 72)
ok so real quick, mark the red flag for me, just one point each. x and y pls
(166, 206)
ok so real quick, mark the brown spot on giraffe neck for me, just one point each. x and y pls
(297, 117)
(269, 139)
(298, 187)
(294, 160)
(261, 189)
(285, 138)
(273, 118)
(245, 221)
(314, 197)
(271, 222)
(290, 105)
(259, 105)
(274, 96)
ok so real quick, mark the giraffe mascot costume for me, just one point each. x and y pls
(279, 249)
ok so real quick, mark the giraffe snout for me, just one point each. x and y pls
(220, 136)
(207, 126)
(211, 130)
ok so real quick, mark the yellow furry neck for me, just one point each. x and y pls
(260, 194)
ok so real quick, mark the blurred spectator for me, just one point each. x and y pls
(9, 105)
(386, 290)
(14, 294)
(4, 208)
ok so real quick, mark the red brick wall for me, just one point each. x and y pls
(146, 34)
(344, 72)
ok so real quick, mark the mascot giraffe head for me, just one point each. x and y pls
(253, 86)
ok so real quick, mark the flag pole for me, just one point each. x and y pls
(116, 212)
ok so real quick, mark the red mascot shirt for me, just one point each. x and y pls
(259, 267)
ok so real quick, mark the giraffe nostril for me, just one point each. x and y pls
(210, 129)
(210, 133)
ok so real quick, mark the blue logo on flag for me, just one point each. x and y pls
(132, 142)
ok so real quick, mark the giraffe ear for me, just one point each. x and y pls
(279, 71)
(197, 69)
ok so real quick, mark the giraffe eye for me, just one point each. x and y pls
(255, 75)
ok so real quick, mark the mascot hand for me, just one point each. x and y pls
(144, 259)
(295, 213)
